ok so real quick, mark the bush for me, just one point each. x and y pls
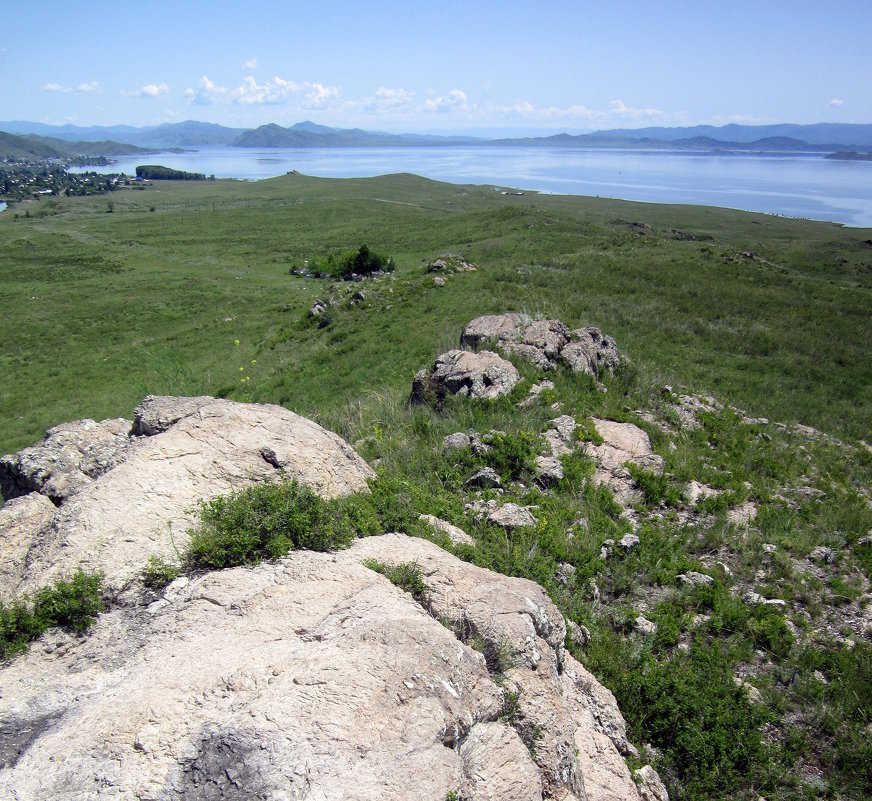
(157, 573)
(405, 575)
(362, 261)
(72, 604)
(265, 521)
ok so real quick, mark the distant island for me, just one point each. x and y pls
(849, 155)
(156, 172)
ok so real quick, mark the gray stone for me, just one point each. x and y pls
(314, 676)
(693, 579)
(579, 634)
(510, 515)
(549, 469)
(644, 626)
(590, 351)
(546, 343)
(628, 542)
(457, 535)
(651, 788)
(67, 460)
(197, 448)
(486, 478)
(460, 372)
(822, 554)
(438, 280)
(565, 573)
(457, 441)
(622, 443)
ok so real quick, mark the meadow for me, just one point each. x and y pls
(190, 289)
(106, 299)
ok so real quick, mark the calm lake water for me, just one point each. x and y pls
(792, 185)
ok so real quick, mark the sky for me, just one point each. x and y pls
(442, 67)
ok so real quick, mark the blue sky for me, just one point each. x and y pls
(437, 66)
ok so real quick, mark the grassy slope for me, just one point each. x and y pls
(102, 308)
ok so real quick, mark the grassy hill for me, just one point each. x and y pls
(187, 288)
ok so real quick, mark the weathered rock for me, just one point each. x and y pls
(644, 626)
(693, 579)
(22, 520)
(510, 515)
(438, 280)
(450, 263)
(650, 786)
(590, 351)
(455, 442)
(822, 554)
(66, 461)
(622, 443)
(696, 491)
(580, 635)
(565, 573)
(560, 435)
(314, 677)
(461, 372)
(549, 470)
(457, 535)
(486, 478)
(742, 515)
(546, 343)
(196, 448)
(628, 542)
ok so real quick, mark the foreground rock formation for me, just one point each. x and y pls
(123, 497)
(312, 677)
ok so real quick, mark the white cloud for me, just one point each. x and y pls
(93, 88)
(273, 92)
(455, 100)
(149, 90)
(385, 100)
(250, 64)
(836, 103)
(206, 93)
(320, 96)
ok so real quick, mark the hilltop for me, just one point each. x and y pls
(694, 501)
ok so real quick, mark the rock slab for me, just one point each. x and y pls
(314, 677)
(182, 450)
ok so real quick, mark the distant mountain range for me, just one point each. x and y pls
(50, 141)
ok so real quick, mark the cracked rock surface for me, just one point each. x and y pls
(138, 506)
(315, 677)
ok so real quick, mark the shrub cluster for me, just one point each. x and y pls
(362, 261)
(72, 604)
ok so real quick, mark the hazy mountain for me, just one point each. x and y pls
(43, 147)
(823, 133)
(309, 134)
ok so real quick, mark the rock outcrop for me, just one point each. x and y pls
(622, 443)
(178, 452)
(309, 677)
(461, 372)
(314, 677)
(546, 343)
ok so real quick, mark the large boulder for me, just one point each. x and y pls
(547, 343)
(461, 372)
(189, 449)
(66, 461)
(315, 677)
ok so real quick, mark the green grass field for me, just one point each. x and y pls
(101, 308)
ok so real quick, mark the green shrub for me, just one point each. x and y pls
(656, 488)
(362, 261)
(72, 604)
(157, 573)
(405, 575)
(265, 521)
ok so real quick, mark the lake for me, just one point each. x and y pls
(789, 184)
